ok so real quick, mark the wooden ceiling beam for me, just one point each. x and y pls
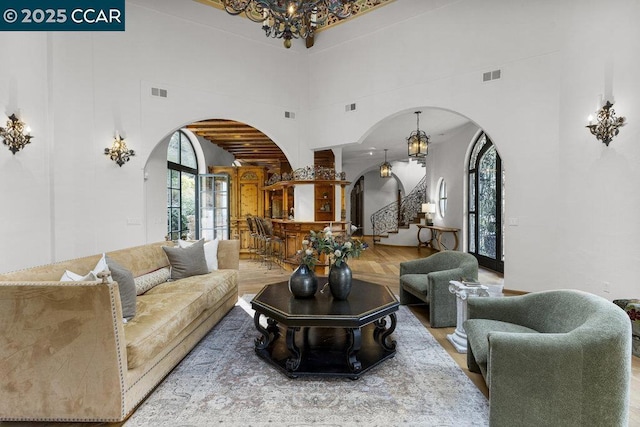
(245, 143)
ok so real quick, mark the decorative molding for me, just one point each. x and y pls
(359, 7)
(249, 176)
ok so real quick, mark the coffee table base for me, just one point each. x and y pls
(333, 352)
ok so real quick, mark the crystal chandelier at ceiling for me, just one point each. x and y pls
(289, 19)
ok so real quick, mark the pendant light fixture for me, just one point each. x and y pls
(418, 141)
(385, 168)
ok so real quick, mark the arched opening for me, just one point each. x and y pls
(184, 200)
(449, 134)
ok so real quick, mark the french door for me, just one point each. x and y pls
(486, 205)
(213, 218)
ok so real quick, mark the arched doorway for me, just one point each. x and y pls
(486, 204)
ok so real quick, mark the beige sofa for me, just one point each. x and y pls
(65, 353)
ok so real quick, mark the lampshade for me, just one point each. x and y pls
(429, 208)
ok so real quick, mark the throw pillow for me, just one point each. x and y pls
(150, 280)
(102, 266)
(187, 262)
(126, 286)
(210, 251)
(70, 276)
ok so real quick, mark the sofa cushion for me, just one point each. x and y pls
(213, 285)
(210, 251)
(416, 284)
(126, 287)
(478, 336)
(186, 262)
(159, 319)
(152, 279)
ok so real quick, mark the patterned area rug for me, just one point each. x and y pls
(223, 382)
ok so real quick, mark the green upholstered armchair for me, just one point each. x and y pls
(427, 280)
(554, 358)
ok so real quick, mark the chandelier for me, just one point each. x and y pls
(119, 152)
(608, 124)
(289, 19)
(385, 168)
(14, 135)
(418, 141)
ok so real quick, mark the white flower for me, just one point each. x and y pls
(309, 252)
(348, 245)
(305, 243)
(328, 233)
(337, 253)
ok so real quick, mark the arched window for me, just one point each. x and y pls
(442, 197)
(182, 172)
(486, 204)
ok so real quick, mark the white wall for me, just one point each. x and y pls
(448, 159)
(574, 198)
(25, 198)
(555, 57)
(75, 90)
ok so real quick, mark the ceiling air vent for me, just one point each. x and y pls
(162, 93)
(350, 107)
(289, 115)
(491, 75)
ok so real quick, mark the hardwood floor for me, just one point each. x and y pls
(380, 264)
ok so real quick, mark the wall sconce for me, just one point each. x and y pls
(119, 152)
(14, 135)
(608, 124)
(429, 209)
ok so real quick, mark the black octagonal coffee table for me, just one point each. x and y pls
(339, 338)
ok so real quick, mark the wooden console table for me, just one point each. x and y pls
(436, 236)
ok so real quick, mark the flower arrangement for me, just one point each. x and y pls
(307, 255)
(338, 247)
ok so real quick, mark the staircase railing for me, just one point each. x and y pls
(395, 214)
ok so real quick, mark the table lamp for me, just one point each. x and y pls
(429, 209)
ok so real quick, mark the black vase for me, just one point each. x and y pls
(303, 282)
(340, 280)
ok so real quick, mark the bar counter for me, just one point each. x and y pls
(293, 232)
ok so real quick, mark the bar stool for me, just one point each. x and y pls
(253, 233)
(270, 241)
(276, 245)
(262, 246)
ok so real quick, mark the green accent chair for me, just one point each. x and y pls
(553, 358)
(426, 280)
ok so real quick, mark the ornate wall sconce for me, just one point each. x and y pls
(119, 152)
(16, 135)
(608, 124)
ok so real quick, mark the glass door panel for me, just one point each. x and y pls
(214, 206)
(487, 203)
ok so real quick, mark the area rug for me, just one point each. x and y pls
(223, 382)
